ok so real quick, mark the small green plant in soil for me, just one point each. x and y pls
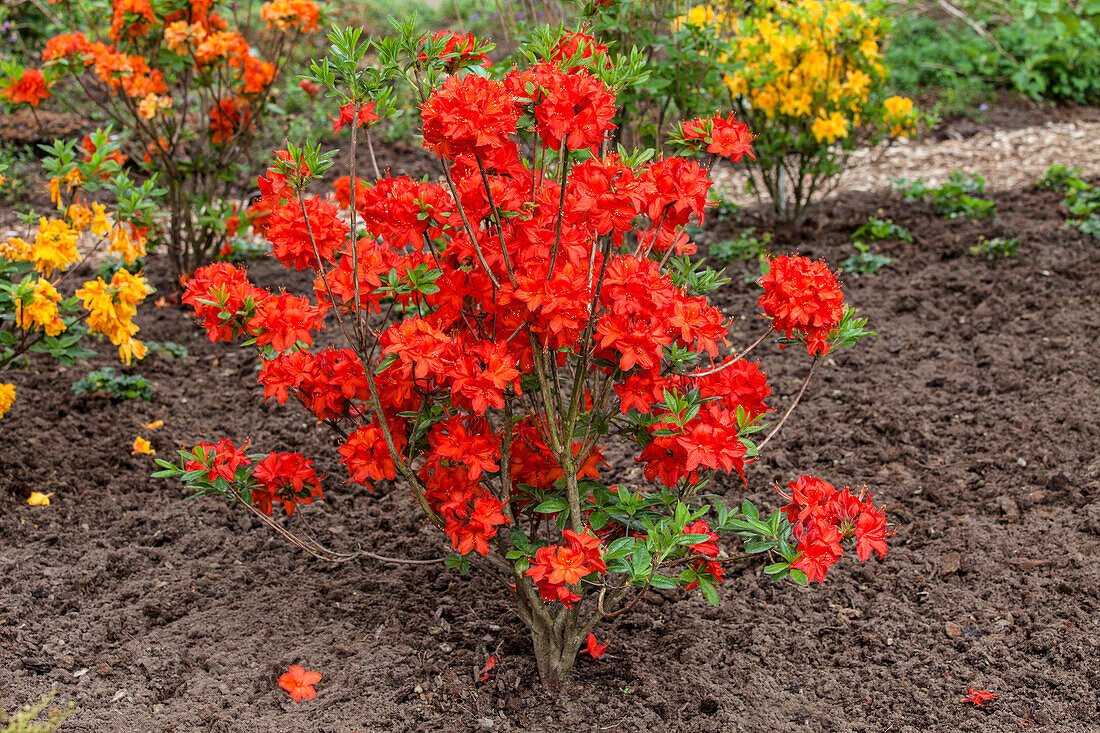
(955, 198)
(118, 387)
(745, 246)
(865, 261)
(1058, 177)
(998, 248)
(174, 350)
(881, 230)
(25, 720)
(1082, 199)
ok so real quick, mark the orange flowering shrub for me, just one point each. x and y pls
(186, 88)
(509, 327)
(34, 317)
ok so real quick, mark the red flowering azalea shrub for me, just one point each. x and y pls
(509, 328)
(185, 88)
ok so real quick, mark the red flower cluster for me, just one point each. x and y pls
(227, 118)
(723, 136)
(219, 461)
(293, 231)
(707, 551)
(30, 88)
(367, 457)
(803, 298)
(469, 115)
(221, 296)
(329, 383)
(461, 452)
(366, 116)
(228, 305)
(284, 321)
(285, 477)
(574, 108)
(277, 184)
(579, 49)
(458, 51)
(822, 517)
(556, 567)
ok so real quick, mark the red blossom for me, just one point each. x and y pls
(275, 186)
(724, 137)
(822, 518)
(288, 478)
(458, 51)
(299, 683)
(803, 298)
(978, 697)
(30, 88)
(593, 648)
(223, 299)
(227, 118)
(366, 116)
(490, 664)
(469, 115)
(295, 229)
(285, 320)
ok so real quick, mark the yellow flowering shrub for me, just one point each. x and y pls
(34, 315)
(807, 78)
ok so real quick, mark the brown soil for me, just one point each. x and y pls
(974, 415)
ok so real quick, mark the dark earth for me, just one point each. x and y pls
(974, 415)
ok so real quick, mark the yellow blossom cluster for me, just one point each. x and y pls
(817, 62)
(54, 247)
(7, 397)
(42, 311)
(111, 308)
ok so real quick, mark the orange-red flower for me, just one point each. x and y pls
(287, 478)
(803, 298)
(284, 321)
(226, 119)
(299, 683)
(724, 136)
(294, 230)
(594, 648)
(469, 115)
(286, 14)
(366, 116)
(978, 697)
(30, 88)
(66, 44)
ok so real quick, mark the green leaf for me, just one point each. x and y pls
(552, 505)
(710, 593)
(799, 577)
(756, 546)
(619, 548)
(661, 581)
